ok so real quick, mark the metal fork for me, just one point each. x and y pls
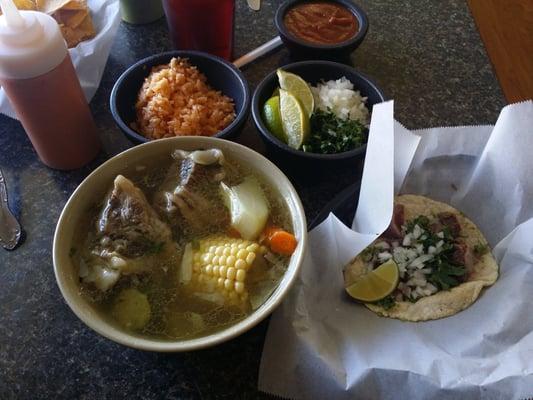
(10, 230)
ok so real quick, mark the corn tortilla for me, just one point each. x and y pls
(445, 302)
(71, 18)
(84, 31)
(75, 5)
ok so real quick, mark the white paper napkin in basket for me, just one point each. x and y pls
(89, 57)
(321, 345)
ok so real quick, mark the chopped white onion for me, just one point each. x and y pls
(431, 288)
(418, 275)
(419, 262)
(407, 240)
(382, 245)
(420, 291)
(384, 256)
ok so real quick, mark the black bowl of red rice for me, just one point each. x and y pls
(180, 93)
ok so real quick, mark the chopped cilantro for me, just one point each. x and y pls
(481, 249)
(445, 272)
(431, 240)
(422, 221)
(367, 254)
(444, 275)
(331, 135)
(387, 302)
(155, 248)
(447, 233)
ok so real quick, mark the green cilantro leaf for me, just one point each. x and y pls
(481, 249)
(331, 135)
(387, 302)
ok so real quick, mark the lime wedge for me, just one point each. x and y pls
(294, 120)
(376, 284)
(272, 118)
(299, 89)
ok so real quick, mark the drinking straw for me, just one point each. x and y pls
(256, 53)
(254, 4)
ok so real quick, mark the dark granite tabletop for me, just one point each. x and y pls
(427, 55)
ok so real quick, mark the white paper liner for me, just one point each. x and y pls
(322, 345)
(88, 57)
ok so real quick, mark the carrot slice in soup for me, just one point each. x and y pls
(282, 242)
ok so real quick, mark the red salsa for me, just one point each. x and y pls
(321, 22)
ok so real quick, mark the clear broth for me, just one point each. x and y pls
(176, 312)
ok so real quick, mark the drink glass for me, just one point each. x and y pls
(205, 25)
(140, 11)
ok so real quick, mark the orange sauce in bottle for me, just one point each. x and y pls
(54, 113)
(37, 75)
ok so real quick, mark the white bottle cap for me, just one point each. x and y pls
(31, 43)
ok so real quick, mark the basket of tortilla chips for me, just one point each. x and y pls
(73, 17)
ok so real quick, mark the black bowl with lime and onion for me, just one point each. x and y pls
(323, 114)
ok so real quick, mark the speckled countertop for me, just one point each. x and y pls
(427, 55)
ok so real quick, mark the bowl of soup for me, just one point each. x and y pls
(179, 244)
(321, 29)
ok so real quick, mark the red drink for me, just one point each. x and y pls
(205, 25)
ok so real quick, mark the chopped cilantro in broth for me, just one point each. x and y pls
(331, 135)
(176, 311)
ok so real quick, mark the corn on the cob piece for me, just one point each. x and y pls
(220, 265)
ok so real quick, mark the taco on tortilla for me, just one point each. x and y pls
(443, 261)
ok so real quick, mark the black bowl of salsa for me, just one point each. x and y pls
(328, 29)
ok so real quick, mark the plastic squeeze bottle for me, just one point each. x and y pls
(39, 79)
